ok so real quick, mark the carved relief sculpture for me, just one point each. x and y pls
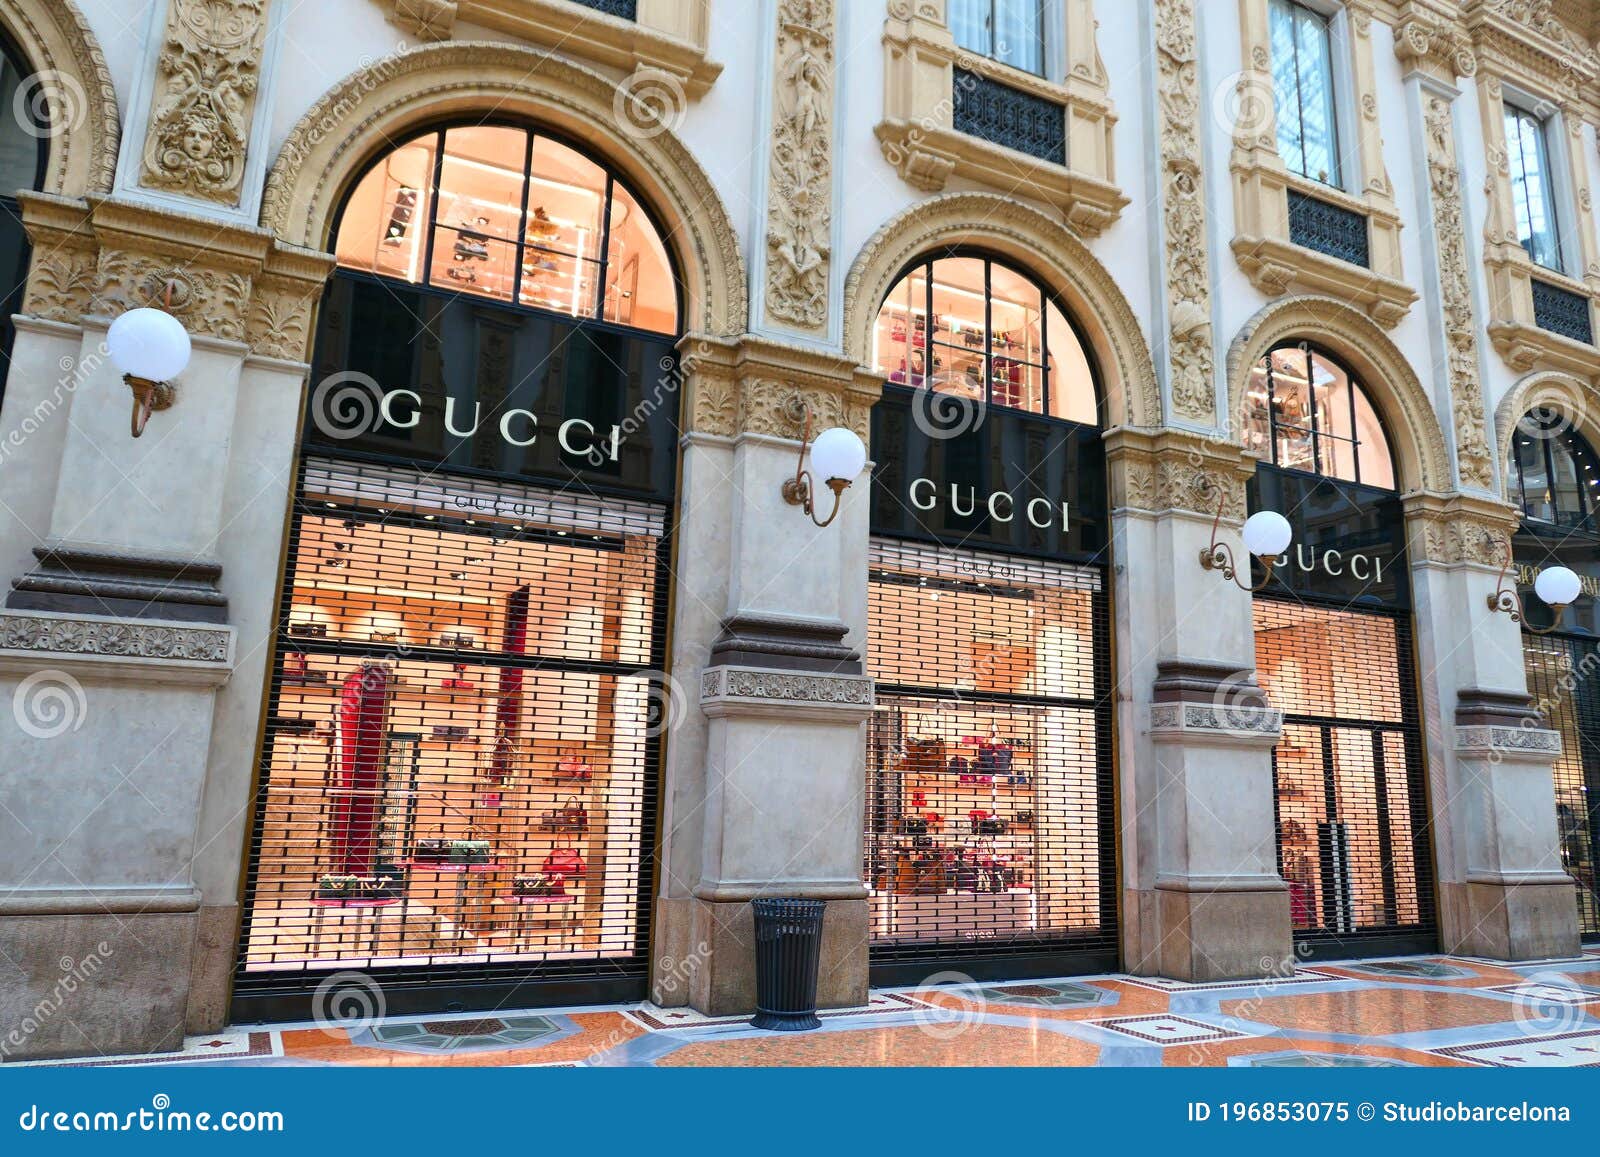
(1189, 357)
(1474, 459)
(800, 196)
(204, 98)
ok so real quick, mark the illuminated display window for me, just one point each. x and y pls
(1305, 411)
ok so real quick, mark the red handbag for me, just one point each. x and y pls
(563, 862)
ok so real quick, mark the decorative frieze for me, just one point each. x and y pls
(800, 165)
(1198, 722)
(1458, 529)
(1502, 741)
(1176, 471)
(206, 80)
(1190, 367)
(114, 638)
(786, 687)
(758, 386)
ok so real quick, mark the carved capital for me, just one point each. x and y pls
(207, 75)
(1458, 529)
(757, 386)
(1173, 470)
(1427, 37)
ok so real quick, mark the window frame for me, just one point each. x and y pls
(534, 129)
(1332, 20)
(1050, 44)
(925, 263)
(1550, 429)
(1310, 349)
(1521, 106)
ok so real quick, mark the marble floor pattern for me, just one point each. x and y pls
(1372, 1013)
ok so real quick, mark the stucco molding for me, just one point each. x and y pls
(1262, 183)
(1214, 723)
(1176, 471)
(918, 137)
(1034, 242)
(371, 109)
(1502, 741)
(1358, 341)
(757, 385)
(119, 638)
(1458, 529)
(668, 37)
(72, 83)
(800, 166)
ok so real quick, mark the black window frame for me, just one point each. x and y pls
(1043, 8)
(1311, 349)
(11, 56)
(1554, 426)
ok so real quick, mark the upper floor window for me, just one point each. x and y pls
(510, 214)
(1553, 475)
(1303, 91)
(1315, 417)
(977, 329)
(1010, 31)
(1532, 186)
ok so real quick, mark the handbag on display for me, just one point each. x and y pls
(913, 826)
(1023, 819)
(538, 886)
(570, 817)
(563, 862)
(431, 851)
(573, 769)
(957, 765)
(469, 851)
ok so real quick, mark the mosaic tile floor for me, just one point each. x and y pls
(1369, 1014)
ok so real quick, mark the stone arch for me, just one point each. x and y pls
(1416, 439)
(1034, 243)
(1571, 397)
(70, 74)
(379, 106)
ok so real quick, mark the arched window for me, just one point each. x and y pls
(1553, 474)
(970, 326)
(1314, 416)
(24, 147)
(514, 215)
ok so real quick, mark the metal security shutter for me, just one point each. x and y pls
(1353, 836)
(990, 830)
(457, 791)
(1561, 679)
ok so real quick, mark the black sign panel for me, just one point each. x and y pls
(1541, 544)
(1349, 540)
(1012, 482)
(420, 376)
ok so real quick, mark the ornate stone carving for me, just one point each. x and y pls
(71, 84)
(755, 386)
(1175, 470)
(1189, 362)
(353, 119)
(1459, 530)
(204, 98)
(1474, 459)
(1535, 741)
(800, 184)
(425, 19)
(113, 638)
(208, 301)
(1012, 230)
(1224, 720)
(785, 686)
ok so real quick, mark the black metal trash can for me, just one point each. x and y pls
(788, 945)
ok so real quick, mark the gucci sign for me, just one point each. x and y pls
(1001, 505)
(517, 427)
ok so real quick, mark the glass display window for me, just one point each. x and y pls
(1303, 410)
(514, 215)
(976, 328)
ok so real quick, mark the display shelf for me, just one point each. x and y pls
(548, 900)
(425, 866)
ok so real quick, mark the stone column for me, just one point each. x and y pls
(1203, 899)
(129, 753)
(765, 783)
(1502, 891)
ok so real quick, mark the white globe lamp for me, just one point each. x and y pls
(1557, 586)
(1267, 533)
(150, 347)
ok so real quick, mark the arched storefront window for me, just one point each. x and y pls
(1305, 411)
(1553, 475)
(458, 776)
(1333, 650)
(976, 328)
(513, 215)
(24, 148)
(990, 833)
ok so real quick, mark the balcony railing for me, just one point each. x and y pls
(622, 9)
(1009, 117)
(1328, 229)
(1563, 312)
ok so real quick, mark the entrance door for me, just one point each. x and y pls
(1348, 780)
(990, 846)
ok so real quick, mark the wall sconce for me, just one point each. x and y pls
(1266, 535)
(150, 347)
(1556, 586)
(837, 456)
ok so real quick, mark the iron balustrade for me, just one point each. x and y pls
(1009, 117)
(1328, 229)
(1561, 311)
